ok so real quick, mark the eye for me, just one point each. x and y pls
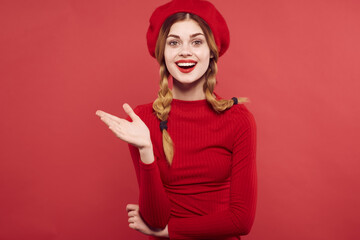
(197, 42)
(173, 43)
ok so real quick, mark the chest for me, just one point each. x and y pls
(202, 154)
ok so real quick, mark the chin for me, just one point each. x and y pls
(187, 81)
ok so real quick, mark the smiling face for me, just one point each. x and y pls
(186, 53)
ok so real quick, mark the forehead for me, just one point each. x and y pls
(185, 28)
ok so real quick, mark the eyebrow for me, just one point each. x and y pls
(191, 36)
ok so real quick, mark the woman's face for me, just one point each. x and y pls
(187, 53)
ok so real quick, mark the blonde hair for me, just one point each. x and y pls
(162, 104)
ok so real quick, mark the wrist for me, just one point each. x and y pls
(161, 233)
(147, 147)
(147, 154)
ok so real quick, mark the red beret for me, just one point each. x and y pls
(202, 8)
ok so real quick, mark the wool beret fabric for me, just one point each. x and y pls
(202, 8)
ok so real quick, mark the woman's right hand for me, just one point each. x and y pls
(136, 132)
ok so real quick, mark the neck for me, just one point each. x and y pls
(189, 91)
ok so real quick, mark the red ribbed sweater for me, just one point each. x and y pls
(209, 191)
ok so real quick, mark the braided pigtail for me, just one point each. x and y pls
(218, 105)
(162, 106)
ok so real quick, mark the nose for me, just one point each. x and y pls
(185, 50)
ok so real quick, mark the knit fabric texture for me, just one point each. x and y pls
(209, 191)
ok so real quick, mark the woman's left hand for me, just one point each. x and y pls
(138, 224)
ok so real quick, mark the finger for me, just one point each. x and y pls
(100, 113)
(114, 127)
(132, 207)
(108, 116)
(109, 122)
(131, 219)
(129, 111)
(133, 213)
(133, 226)
(117, 130)
(112, 121)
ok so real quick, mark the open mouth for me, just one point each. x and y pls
(186, 66)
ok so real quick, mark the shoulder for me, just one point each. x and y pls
(241, 116)
(238, 112)
(243, 126)
(144, 111)
(143, 108)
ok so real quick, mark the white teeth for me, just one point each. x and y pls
(185, 64)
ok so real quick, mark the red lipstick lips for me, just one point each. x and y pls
(186, 66)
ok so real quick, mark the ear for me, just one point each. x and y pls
(211, 55)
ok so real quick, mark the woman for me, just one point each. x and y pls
(193, 152)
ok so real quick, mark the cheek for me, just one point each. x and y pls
(168, 57)
(204, 57)
(203, 53)
(168, 63)
(169, 54)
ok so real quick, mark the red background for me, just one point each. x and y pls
(64, 175)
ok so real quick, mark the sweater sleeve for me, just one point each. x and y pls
(154, 204)
(238, 218)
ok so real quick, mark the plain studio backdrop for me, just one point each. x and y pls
(65, 176)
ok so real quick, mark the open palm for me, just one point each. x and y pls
(136, 132)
